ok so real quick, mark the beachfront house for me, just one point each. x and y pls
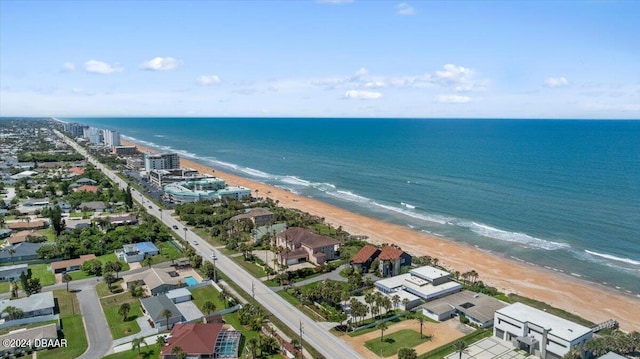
(392, 259)
(477, 307)
(258, 216)
(363, 259)
(303, 245)
(537, 332)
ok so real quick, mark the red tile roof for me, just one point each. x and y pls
(390, 253)
(193, 338)
(364, 254)
(87, 188)
(77, 170)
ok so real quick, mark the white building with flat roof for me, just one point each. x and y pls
(161, 161)
(425, 282)
(203, 189)
(537, 332)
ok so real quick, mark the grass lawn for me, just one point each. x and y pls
(80, 214)
(253, 269)
(447, 349)
(111, 257)
(67, 302)
(49, 233)
(103, 290)
(167, 249)
(207, 293)
(118, 327)
(406, 338)
(313, 314)
(5, 287)
(41, 271)
(73, 330)
(151, 350)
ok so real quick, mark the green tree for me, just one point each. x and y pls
(148, 261)
(13, 312)
(109, 279)
(136, 343)
(382, 326)
(114, 267)
(66, 278)
(252, 346)
(124, 310)
(33, 286)
(128, 198)
(178, 352)
(160, 340)
(58, 224)
(209, 307)
(407, 353)
(167, 314)
(420, 320)
(460, 347)
(208, 269)
(136, 291)
(11, 252)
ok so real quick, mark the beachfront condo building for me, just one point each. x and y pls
(210, 188)
(111, 138)
(537, 332)
(161, 161)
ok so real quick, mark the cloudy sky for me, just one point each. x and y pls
(331, 58)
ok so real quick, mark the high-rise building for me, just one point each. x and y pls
(111, 138)
(161, 161)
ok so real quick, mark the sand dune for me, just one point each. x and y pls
(591, 301)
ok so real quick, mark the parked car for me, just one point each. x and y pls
(175, 227)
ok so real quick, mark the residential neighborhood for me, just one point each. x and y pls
(99, 258)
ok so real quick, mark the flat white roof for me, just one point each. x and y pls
(393, 282)
(177, 293)
(13, 267)
(429, 273)
(560, 327)
(429, 290)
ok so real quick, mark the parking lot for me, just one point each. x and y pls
(489, 348)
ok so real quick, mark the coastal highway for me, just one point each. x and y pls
(312, 333)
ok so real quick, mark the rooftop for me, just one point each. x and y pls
(364, 254)
(157, 304)
(429, 273)
(72, 262)
(35, 302)
(479, 306)
(389, 253)
(560, 327)
(177, 293)
(193, 338)
(49, 331)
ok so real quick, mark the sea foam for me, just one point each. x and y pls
(614, 258)
(514, 237)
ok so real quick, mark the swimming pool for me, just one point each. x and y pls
(190, 281)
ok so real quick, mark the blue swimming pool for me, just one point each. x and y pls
(190, 281)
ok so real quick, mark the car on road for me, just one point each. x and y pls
(149, 207)
(175, 227)
(195, 242)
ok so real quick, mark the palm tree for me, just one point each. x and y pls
(136, 343)
(11, 252)
(167, 314)
(420, 320)
(178, 352)
(382, 326)
(124, 311)
(209, 307)
(147, 262)
(405, 302)
(14, 289)
(252, 346)
(460, 347)
(396, 300)
(13, 312)
(160, 340)
(66, 278)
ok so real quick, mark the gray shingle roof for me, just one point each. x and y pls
(156, 305)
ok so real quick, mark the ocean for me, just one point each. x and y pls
(559, 194)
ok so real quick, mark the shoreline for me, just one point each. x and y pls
(590, 300)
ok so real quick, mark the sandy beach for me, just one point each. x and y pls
(589, 300)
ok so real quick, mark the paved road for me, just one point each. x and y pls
(312, 333)
(95, 324)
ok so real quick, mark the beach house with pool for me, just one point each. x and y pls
(537, 332)
(303, 245)
(427, 283)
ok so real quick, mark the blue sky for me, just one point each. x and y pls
(529, 59)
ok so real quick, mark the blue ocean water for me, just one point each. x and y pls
(562, 194)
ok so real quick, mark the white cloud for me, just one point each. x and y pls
(207, 80)
(68, 67)
(99, 67)
(362, 95)
(405, 9)
(361, 72)
(160, 64)
(554, 82)
(375, 84)
(453, 99)
(454, 74)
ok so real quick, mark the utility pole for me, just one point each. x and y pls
(301, 347)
